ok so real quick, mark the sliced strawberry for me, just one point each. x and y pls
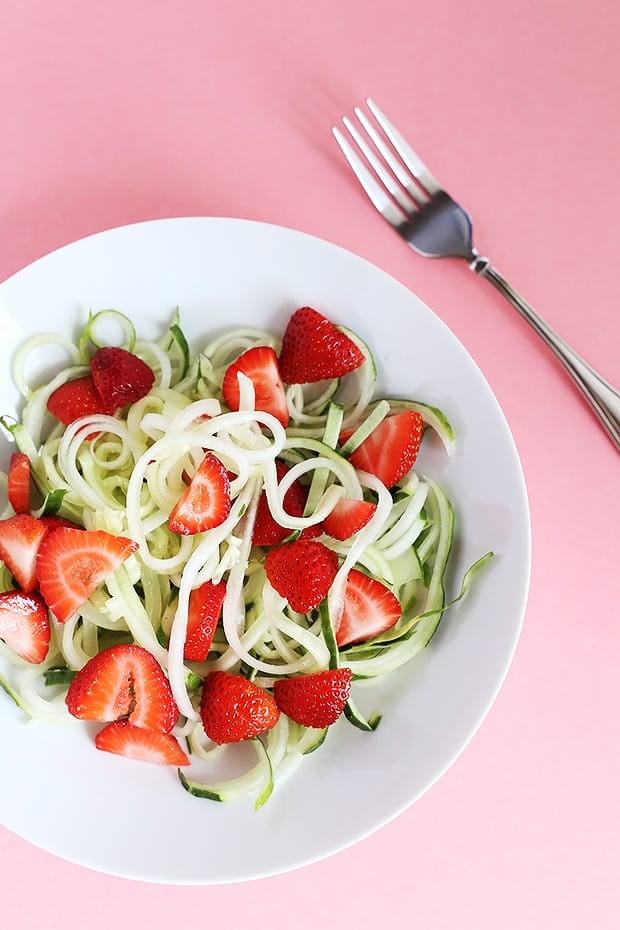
(301, 571)
(348, 517)
(391, 449)
(20, 538)
(205, 607)
(206, 501)
(127, 682)
(260, 365)
(314, 700)
(233, 709)
(72, 563)
(266, 531)
(52, 521)
(313, 349)
(78, 398)
(120, 376)
(25, 625)
(126, 739)
(369, 609)
(18, 483)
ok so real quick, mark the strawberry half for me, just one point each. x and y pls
(348, 517)
(120, 376)
(20, 538)
(260, 364)
(301, 571)
(18, 483)
(234, 709)
(72, 563)
(369, 609)
(75, 399)
(314, 700)
(313, 349)
(25, 625)
(126, 739)
(206, 501)
(266, 531)
(391, 449)
(205, 607)
(127, 682)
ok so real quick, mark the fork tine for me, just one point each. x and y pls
(375, 192)
(406, 203)
(416, 193)
(409, 157)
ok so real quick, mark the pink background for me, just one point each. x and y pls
(118, 112)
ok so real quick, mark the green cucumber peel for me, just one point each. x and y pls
(58, 676)
(355, 717)
(12, 693)
(320, 476)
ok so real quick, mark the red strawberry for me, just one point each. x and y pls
(72, 563)
(78, 398)
(260, 364)
(126, 739)
(18, 483)
(206, 501)
(301, 571)
(369, 609)
(314, 349)
(52, 521)
(25, 625)
(391, 449)
(205, 607)
(266, 531)
(233, 709)
(20, 538)
(348, 517)
(314, 700)
(124, 681)
(120, 376)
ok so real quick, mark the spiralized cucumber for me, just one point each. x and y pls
(126, 481)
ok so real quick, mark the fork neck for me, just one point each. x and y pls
(479, 264)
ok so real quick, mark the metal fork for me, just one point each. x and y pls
(413, 202)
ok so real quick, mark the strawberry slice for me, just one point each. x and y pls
(72, 563)
(314, 700)
(126, 739)
(260, 364)
(52, 521)
(127, 682)
(313, 349)
(234, 709)
(348, 517)
(266, 531)
(75, 399)
(120, 376)
(391, 449)
(205, 607)
(301, 571)
(18, 483)
(206, 501)
(20, 538)
(369, 609)
(25, 625)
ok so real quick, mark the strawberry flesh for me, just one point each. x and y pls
(75, 399)
(206, 501)
(348, 517)
(301, 571)
(120, 377)
(25, 625)
(20, 538)
(370, 608)
(234, 709)
(126, 739)
(313, 349)
(205, 607)
(72, 563)
(260, 365)
(391, 449)
(123, 682)
(18, 483)
(267, 532)
(314, 700)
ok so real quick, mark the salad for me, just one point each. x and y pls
(206, 551)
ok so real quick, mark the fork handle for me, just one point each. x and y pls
(600, 394)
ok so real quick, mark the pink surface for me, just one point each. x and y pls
(153, 109)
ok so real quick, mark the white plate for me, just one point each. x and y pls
(133, 819)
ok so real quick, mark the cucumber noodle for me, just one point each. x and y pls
(127, 480)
